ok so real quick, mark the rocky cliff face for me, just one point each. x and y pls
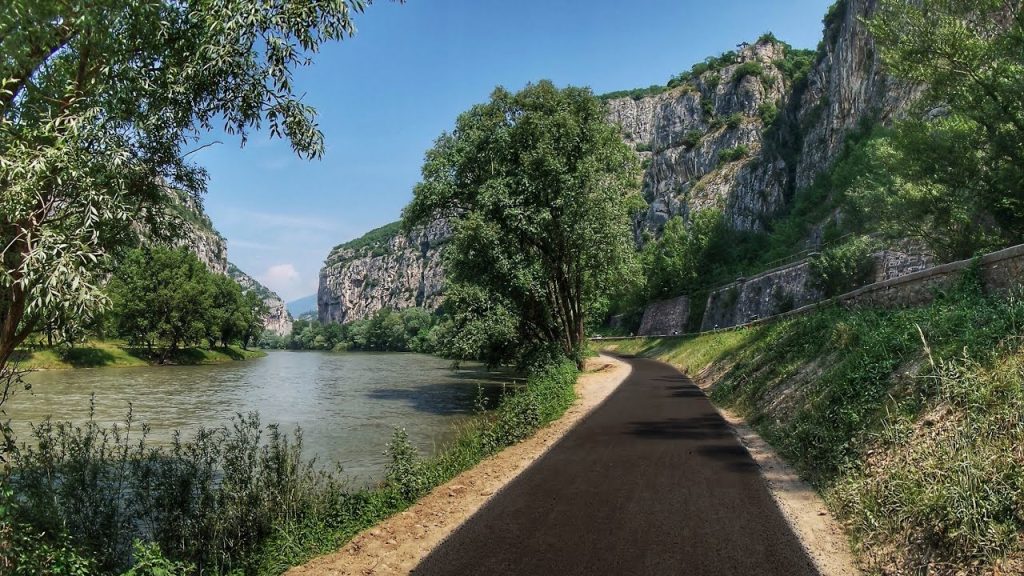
(278, 320)
(845, 87)
(743, 136)
(384, 269)
(682, 134)
(199, 236)
(685, 134)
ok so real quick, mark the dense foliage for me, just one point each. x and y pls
(165, 298)
(409, 330)
(952, 174)
(539, 189)
(99, 103)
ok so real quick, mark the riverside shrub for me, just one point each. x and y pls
(84, 500)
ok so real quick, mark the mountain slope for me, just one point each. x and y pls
(302, 306)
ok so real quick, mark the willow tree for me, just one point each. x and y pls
(539, 189)
(101, 104)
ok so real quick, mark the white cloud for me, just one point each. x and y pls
(285, 280)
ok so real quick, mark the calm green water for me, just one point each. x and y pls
(347, 404)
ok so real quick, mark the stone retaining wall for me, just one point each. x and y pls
(767, 294)
(789, 290)
(665, 317)
(1001, 272)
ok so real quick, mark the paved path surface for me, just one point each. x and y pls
(652, 482)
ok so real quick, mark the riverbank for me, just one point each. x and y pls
(907, 422)
(396, 545)
(116, 354)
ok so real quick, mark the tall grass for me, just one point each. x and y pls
(238, 499)
(909, 422)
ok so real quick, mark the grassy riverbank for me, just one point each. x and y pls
(117, 354)
(238, 499)
(909, 422)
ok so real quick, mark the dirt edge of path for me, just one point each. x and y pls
(398, 544)
(820, 533)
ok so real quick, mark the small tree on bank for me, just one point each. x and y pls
(539, 189)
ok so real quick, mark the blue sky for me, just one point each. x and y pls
(385, 95)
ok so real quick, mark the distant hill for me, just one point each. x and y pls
(302, 305)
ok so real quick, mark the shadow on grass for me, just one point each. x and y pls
(87, 357)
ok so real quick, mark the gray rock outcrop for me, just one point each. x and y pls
(384, 269)
(680, 134)
(277, 320)
(704, 144)
(202, 239)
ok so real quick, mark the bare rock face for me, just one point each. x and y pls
(203, 240)
(384, 269)
(209, 246)
(845, 87)
(704, 144)
(681, 136)
(278, 320)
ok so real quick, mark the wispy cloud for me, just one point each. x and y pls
(278, 220)
(250, 245)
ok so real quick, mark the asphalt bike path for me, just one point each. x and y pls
(652, 482)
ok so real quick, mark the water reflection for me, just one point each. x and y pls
(347, 404)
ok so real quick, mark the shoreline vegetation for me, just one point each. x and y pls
(242, 497)
(907, 422)
(118, 354)
(396, 545)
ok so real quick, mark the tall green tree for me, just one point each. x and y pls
(166, 298)
(101, 103)
(956, 165)
(681, 261)
(539, 189)
(253, 312)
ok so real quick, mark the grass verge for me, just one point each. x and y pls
(114, 354)
(908, 422)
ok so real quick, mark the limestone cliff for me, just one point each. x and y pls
(196, 232)
(278, 320)
(383, 269)
(792, 128)
(744, 134)
(685, 134)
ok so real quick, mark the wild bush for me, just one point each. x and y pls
(86, 500)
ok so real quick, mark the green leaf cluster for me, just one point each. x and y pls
(101, 104)
(387, 330)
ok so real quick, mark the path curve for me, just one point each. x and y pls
(652, 482)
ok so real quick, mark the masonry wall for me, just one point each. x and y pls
(666, 317)
(767, 294)
(789, 290)
(1001, 272)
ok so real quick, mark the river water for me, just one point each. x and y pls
(347, 404)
